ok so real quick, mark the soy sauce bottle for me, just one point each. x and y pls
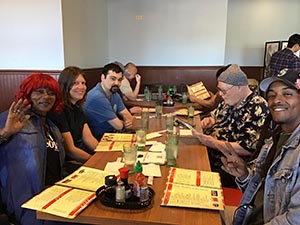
(124, 178)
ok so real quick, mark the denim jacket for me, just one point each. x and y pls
(282, 185)
(23, 167)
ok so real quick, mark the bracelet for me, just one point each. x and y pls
(3, 139)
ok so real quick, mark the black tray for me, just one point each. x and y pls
(131, 203)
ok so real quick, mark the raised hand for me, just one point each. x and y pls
(232, 163)
(138, 78)
(16, 118)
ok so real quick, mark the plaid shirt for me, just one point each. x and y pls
(282, 59)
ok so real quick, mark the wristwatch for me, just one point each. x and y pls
(2, 139)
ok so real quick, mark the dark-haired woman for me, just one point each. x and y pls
(78, 139)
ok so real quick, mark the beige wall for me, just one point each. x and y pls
(52, 34)
(85, 32)
(31, 34)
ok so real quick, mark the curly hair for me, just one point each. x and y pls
(40, 80)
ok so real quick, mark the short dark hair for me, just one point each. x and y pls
(294, 39)
(113, 67)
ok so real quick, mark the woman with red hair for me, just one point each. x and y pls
(32, 158)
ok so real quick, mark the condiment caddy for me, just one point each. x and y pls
(121, 194)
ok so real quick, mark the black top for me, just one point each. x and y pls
(53, 162)
(71, 120)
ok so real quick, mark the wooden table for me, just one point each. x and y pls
(191, 155)
(166, 109)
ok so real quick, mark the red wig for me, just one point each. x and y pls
(40, 80)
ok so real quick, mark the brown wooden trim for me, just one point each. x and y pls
(177, 75)
(167, 75)
(93, 76)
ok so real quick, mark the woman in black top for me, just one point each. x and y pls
(79, 141)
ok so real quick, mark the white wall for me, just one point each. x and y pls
(172, 32)
(85, 33)
(31, 34)
(251, 23)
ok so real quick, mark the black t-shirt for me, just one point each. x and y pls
(71, 120)
(53, 162)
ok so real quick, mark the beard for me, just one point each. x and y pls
(114, 89)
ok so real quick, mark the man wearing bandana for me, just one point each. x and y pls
(104, 106)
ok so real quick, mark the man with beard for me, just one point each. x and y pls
(104, 106)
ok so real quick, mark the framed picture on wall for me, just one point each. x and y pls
(270, 48)
(283, 44)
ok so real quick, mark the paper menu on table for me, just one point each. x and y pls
(61, 201)
(194, 177)
(118, 137)
(192, 197)
(85, 178)
(193, 189)
(111, 146)
(71, 195)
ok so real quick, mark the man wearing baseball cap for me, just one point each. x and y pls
(289, 77)
(272, 185)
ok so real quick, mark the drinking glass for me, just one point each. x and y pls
(140, 138)
(129, 155)
(158, 109)
(145, 119)
(172, 148)
(169, 122)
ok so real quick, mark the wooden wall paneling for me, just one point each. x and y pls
(176, 75)
(188, 75)
(93, 76)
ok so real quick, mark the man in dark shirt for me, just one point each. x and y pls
(286, 58)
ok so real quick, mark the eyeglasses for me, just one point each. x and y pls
(224, 92)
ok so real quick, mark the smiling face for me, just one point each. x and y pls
(284, 105)
(78, 89)
(42, 100)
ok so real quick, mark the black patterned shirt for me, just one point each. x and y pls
(241, 124)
